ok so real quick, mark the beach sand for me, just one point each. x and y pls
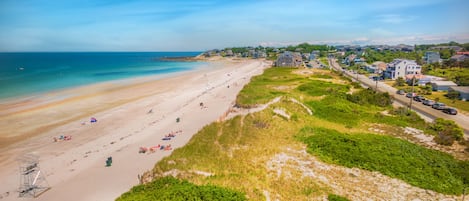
(75, 169)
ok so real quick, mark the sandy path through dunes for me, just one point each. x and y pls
(76, 169)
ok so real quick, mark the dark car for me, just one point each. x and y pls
(410, 95)
(428, 102)
(438, 106)
(450, 110)
(419, 98)
(400, 92)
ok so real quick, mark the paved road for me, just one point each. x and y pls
(461, 119)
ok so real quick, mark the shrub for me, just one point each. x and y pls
(333, 197)
(447, 131)
(368, 96)
(170, 188)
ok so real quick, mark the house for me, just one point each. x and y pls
(289, 59)
(258, 54)
(359, 60)
(377, 67)
(305, 56)
(229, 53)
(432, 57)
(380, 66)
(348, 60)
(442, 85)
(463, 92)
(340, 53)
(401, 68)
(460, 57)
(312, 57)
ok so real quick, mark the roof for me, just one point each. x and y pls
(444, 83)
(381, 65)
(461, 89)
(461, 53)
(460, 57)
(417, 76)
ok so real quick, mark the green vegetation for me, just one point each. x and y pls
(399, 82)
(169, 188)
(333, 197)
(308, 48)
(447, 131)
(324, 61)
(368, 96)
(319, 88)
(260, 89)
(236, 153)
(387, 55)
(394, 157)
(323, 76)
(458, 75)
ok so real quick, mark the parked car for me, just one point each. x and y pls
(438, 106)
(428, 102)
(400, 92)
(410, 95)
(419, 98)
(450, 110)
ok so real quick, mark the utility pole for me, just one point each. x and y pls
(357, 73)
(376, 80)
(412, 95)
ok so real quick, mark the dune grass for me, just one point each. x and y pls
(418, 166)
(235, 153)
(169, 188)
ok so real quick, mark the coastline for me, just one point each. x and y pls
(123, 125)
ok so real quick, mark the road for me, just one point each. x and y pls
(461, 119)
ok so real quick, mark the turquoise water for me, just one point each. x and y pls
(26, 74)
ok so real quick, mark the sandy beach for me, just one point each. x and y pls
(130, 114)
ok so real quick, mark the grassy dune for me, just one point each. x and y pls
(260, 154)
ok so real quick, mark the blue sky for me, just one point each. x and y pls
(180, 25)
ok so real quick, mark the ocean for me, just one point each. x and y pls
(29, 74)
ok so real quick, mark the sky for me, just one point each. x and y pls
(182, 25)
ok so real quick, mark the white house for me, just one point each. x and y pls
(402, 68)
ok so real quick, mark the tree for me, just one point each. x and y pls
(399, 82)
(453, 95)
(414, 81)
(427, 89)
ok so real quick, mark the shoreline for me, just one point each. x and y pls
(25, 104)
(124, 124)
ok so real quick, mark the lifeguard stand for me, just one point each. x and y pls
(32, 181)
